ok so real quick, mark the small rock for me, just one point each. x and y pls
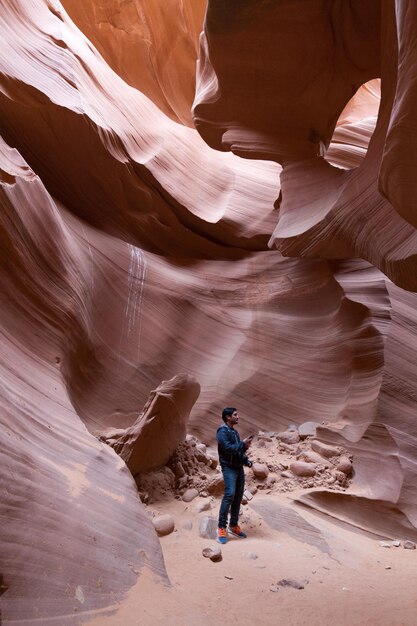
(253, 489)
(164, 524)
(308, 429)
(213, 553)
(203, 506)
(248, 495)
(188, 525)
(251, 555)
(300, 468)
(287, 474)
(409, 545)
(189, 495)
(385, 544)
(213, 462)
(260, 470)
(388, 567)
(202, 447)
(290, 583)
(396, 543)
(208, 527)
(289, 437)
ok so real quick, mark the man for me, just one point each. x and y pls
(232, 457)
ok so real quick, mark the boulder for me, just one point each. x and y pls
(289, 437)
(208, 527)
(308, 429)
(344, 465)
(314, 457)
(260, 470)
(161, 426)
(164, 524)
(303, 469)
(216, 485)
(324, 449)
(189, 495)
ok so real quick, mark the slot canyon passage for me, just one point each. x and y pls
(207, 204)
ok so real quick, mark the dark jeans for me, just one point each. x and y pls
(234, 484)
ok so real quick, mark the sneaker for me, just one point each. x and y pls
(221, 535)
(237, 532)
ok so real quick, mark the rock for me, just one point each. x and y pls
(203, 506)
(303, 469)
(344, 465)
(213, 553)
(164, 524)
(289, 437)
(248, 495)
(409, 545)
(385, 544)
(216, 486)
(251, 555)
(339, 476)
(308, 429)
(208, 527)
(314, 457)
(187, 525)
(213, 460)
(151, 440)
(179, 470)
(290, 583)
(189, 495)
(287, 474)
(324, 449)
(202, 448)
(260, 470)
(292, 428)
(253, 489)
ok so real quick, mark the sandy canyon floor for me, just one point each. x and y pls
(346, 576)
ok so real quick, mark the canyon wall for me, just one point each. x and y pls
(271, 256)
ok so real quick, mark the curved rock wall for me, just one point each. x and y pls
(132, 251)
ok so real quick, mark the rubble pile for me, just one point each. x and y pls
(282, 462)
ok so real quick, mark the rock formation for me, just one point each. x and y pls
(162, 425)
(134, 248)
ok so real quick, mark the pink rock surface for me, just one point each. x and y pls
(131, 250)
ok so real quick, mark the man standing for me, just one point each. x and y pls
(232, 457)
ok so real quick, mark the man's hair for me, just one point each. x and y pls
(227, 412)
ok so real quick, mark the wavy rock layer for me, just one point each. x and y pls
(132, 251)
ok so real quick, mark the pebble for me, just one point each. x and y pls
(409, 545)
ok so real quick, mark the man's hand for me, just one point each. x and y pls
(248, 441)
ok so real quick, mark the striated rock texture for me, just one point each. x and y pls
(151, 441)
(131, 250)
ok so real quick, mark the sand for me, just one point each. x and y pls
(348, 579)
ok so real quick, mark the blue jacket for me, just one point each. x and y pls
(232, 451)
